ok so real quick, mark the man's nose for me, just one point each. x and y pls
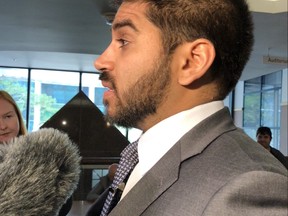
(105, 61)
(98, 64)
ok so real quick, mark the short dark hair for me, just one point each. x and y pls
(226, 23)
(264, 131)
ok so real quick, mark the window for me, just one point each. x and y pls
(41, 93)
(15, 82)
(262, 97)
(49, 92)
(92, 87)
(96, 174)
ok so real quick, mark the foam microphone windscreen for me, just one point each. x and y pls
(38, 173)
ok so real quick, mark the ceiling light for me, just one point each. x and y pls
(268, 6)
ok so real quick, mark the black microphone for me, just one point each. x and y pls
(38, 173)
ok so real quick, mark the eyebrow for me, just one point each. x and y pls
(124, 23)
(9, 113)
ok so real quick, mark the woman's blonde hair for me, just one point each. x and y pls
(6, 96)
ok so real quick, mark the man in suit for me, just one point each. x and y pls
(169, 66)
(104, 182)
(264, 137)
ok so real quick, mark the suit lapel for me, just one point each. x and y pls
(198, 138)
(152, 185)
(165, 172)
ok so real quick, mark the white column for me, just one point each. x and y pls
(238, 104)
(37, 107)
(284, 114)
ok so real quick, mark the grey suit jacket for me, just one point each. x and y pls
(214, 169)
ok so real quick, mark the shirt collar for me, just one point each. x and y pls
(156, 141)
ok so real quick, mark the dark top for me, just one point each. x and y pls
(279, 156)
(66, 207)
(96, 208)
(99, 188)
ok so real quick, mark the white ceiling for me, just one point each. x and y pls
(70, 34)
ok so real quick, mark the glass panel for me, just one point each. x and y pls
(251, 116)
(92, 87)
(262, 100)
(14, 81)
(96, 174)
(272, 81)
(270, 113)
(251, 110)
(253, 85)
(49, 92)
(267, 108)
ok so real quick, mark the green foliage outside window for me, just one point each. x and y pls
(18, 90)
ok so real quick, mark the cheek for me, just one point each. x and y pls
(16, 127)
(126, 77)
(131, 67)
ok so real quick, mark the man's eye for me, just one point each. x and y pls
(122, 42)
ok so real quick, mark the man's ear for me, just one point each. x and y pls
(195, 58)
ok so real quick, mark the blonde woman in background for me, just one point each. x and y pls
(11, 122)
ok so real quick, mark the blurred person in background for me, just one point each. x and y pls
(104, 182)
(11, 121)
(264, 137)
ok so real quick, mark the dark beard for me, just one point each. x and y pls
(143, 99)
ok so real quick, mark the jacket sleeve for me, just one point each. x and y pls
(98, 189)
(256, 193)
(38, 173)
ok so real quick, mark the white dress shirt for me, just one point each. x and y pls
(156, 141)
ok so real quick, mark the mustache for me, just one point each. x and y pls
(104, 76)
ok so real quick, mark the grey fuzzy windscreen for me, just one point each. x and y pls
(38, 173)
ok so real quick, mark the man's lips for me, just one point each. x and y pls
(108, 93)
(106, 84)
(109, 90)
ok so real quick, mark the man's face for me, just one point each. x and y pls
(9, 123)
(134, 68)
(264, 140)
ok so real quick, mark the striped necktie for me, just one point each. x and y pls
(128, 160)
